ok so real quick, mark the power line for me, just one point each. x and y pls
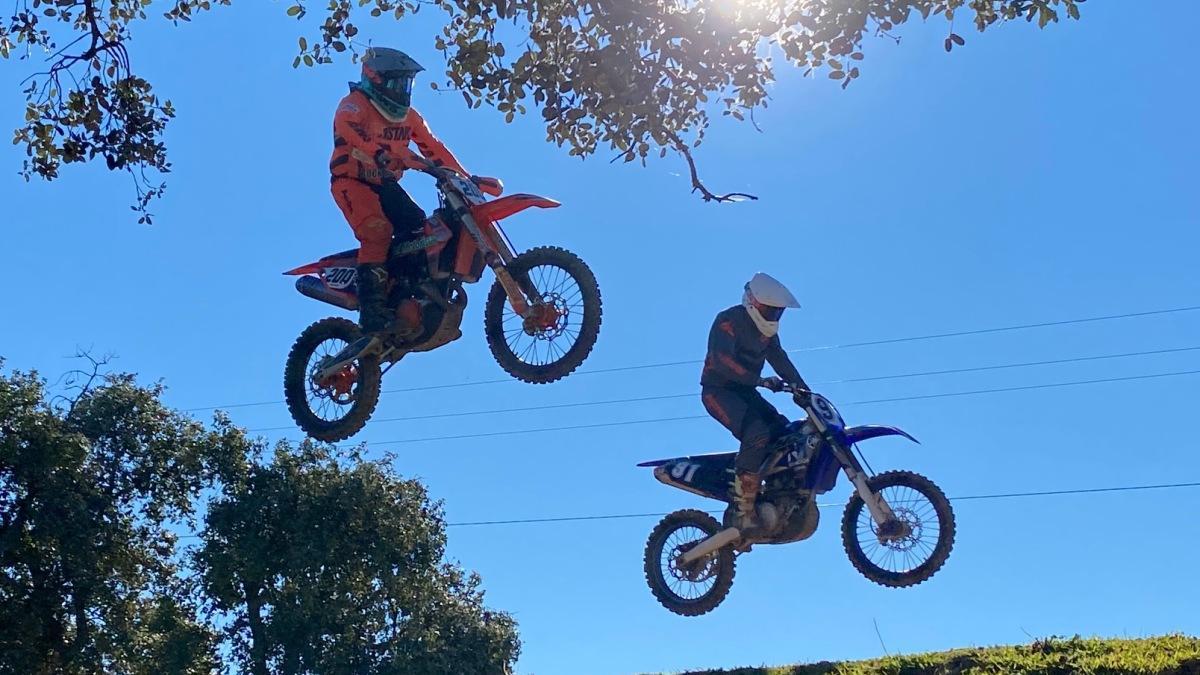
(657, 420)
(1004, 495)
(573, 427)
(848, 345)
(1081, 491)
(693, 394)
(1003, 329)
(1026, 364)
(1008, 495)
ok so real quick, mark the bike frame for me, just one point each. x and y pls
(828, 423)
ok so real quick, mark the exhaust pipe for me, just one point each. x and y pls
(713, 543)
(316, 289)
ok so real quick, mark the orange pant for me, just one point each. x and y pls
(375, 213)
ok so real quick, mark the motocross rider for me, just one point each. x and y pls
(742, 338)
(372, 129)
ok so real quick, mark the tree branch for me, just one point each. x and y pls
(697, 184)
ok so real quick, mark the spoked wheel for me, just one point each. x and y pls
(694, 589)
(560, 331)
(336, 408)
(911, 548)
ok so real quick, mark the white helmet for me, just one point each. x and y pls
(765, 299)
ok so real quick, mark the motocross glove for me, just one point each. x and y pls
(802, 398)
(772, 383)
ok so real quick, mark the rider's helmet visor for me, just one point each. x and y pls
(397, 87)
(768, 312)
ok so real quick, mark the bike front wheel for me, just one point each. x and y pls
(561, 328)
(914, 546)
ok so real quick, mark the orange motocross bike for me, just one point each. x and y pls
(541, 320)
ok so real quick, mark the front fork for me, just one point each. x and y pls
(497, 257)
(881, 512)
(516, 295)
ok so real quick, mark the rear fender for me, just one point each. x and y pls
(863, 433)
(310, 268)
(705, 475)
(343, 259)
(656, 462)
(499, 209)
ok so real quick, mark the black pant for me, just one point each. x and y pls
(406, 216)
(749, 417)
(408, 223)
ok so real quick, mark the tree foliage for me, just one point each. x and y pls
(325, 563)
(92, 492)
(314, 562)
(634, 77)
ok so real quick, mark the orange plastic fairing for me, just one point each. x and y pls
(504, 207)
(310, 268)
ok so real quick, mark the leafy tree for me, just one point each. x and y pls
(92, 490)
(322, 562)
(633, 76)
(316, 562)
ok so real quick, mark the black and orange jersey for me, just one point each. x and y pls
(370, 147)
(737, 351)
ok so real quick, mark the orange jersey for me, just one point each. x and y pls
(369, 147)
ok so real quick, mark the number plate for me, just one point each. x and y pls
(339, 278)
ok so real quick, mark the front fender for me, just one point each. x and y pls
(499, 209)
(867, 432)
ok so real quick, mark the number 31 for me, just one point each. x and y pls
(684, 471)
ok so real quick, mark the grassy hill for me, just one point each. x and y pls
(1167, 655)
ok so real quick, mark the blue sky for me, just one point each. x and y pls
(1030, 176)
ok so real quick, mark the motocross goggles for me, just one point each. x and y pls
(768, 312)
(397, 87)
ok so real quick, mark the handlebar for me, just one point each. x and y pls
(800, 396)
(491, 186)
(785, 388)
(789, 388)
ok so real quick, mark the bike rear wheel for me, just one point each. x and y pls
(561, 331)
(699, 587)
(910, 549)
(339, 407)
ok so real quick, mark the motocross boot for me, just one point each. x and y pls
(372, 298)
(745, 492)
(372, 317)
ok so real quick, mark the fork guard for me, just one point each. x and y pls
(516, 296)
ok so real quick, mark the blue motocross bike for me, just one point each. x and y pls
(898, 528)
